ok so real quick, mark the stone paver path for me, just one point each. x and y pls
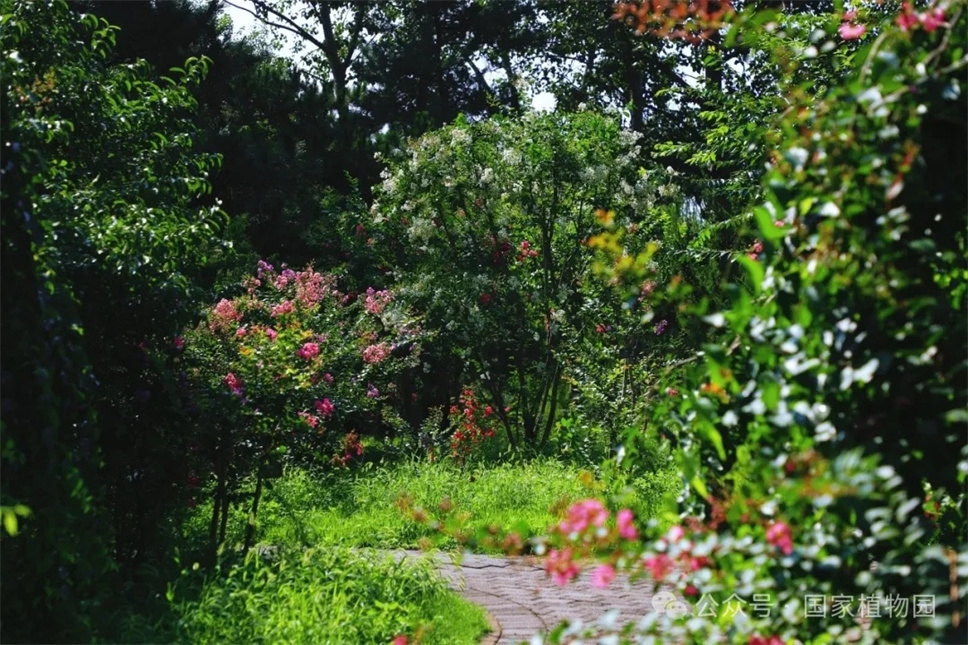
(523, 600)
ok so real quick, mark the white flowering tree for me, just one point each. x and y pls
(488, 223)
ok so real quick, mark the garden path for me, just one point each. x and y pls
(522, 600)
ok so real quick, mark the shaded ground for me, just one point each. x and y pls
(523, 600)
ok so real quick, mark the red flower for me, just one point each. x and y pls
(486, 298)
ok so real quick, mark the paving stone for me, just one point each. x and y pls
(523, 601)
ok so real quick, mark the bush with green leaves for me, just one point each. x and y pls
(294, 371)
(485, 226)
(105, 225)
(822, 429)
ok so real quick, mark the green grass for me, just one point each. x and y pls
(328, 595)
(360, 508)
(322, 585)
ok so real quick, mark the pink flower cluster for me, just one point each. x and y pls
(849, 30)
(374, 354)
(624, 520)
(224, 316)
(283, 279)
(311, 420)
(312, 287)
(583, 514)
(283, 308)
(561, 566)
(755, 250)
(309, 351)
(766, 640)
(234, 383)
(325, 407)
(376, 301)
(778, 534)
(602, 576)
(526, 251)
(930, 20)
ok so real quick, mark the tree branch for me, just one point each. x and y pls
(291, 26)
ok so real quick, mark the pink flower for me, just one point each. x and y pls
(672, 391)
(757, 247)
(281, 282)
(309, 351)
(560, 566)
(766, 640)
(312, 287)
(311, 420)
(371, 392)
(234, 383)
(850, 31)
(283, 308)
(907, 19)
(626, 528)
(224, 316)
(328, 377)
(659, 565)
(582, 514)
(931, 20)
(374, 354)
(376, 301)
(271, 333)
(675, 534)
(325, 407)
(603, 576)
(778, 534)
(179, 342)
(240, 332)
(400, 640)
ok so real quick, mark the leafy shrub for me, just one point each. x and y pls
(485, 227)
(295, 371)
(835, 393)
(105, 227)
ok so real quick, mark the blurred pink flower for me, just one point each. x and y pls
(582, 514)
(850, 31)
(603, 576)
(778, 534)
(626, 528)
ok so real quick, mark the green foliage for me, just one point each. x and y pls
(833, 395)
(365, 508)
(323, 596)
(293, 372)
(486, 226)
(105, 226)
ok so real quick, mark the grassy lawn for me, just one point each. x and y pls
(330, 595)
(361, 508)
(321, 583)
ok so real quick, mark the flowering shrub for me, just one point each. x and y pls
(472, 425)
(304, 368)
(486, 223)
(832, 399)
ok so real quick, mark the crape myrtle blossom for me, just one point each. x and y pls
(374, 354)
(309, 351)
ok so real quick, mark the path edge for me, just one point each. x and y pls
(496, 629)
